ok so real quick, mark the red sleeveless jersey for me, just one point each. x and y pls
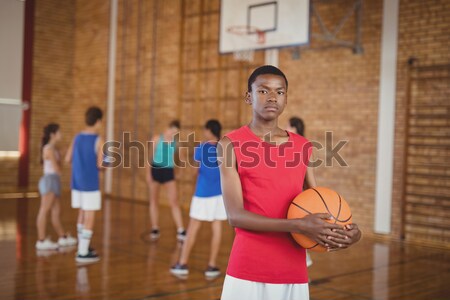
(271, 177)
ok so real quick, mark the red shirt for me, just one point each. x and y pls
(271, 176)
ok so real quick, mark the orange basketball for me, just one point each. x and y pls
(318, 200)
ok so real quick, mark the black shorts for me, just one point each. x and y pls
(162, 174)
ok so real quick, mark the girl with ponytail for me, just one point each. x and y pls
(207, 202)
(50, 190)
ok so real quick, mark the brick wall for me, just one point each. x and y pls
(8, 173)
(52, 86)
(423, 34)
(69, 70)
(173, 70)
(90, 64)
(335, 90)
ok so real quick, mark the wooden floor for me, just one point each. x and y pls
(133, 268)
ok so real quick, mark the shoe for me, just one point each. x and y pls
(90, 257)
(154, 234)
(90, 250)
(67, 241)
(46, 245)
(212, 272)
(178, 269)
(181, 236)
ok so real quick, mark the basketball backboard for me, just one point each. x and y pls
(263, 24)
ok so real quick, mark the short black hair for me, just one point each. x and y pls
(215, 127)
(93, 114)
(175, 123)
(267, 69)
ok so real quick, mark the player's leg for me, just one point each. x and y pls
(181, 268)
(90, 203)
(194, 226)
(41, 222)
(219, 214)
(55, 216)
(176, 210)
(213, 270)
(216, 227)
(80, 221)
(64, 239)
(154, 209)
(76, 203)
(89, 219)
(85, 239)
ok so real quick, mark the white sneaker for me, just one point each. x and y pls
(67, 241)
(154, 234)
(181, 235)
(46, 245)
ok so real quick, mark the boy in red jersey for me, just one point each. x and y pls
(262, 168)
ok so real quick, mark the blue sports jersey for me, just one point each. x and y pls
(84, 163)
(208, 181)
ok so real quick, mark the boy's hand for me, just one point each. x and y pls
(352, 235)
(326, 234)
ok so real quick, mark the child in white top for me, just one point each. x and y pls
(50, 190)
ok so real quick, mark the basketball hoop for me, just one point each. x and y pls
(248, 30)
(243, 31)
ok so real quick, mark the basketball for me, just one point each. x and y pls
(318, 200)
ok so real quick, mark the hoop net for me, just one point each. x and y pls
(247, 31)
(244, 55)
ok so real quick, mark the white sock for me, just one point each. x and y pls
(180, 230)
(79, 230)
(83, 244)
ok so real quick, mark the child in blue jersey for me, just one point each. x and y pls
(162, 172)
(207, 202)
(86, 157)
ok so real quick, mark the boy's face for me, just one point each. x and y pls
(268, 96)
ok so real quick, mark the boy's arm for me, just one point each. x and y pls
(312, 226)
(68, 158)
(98, 149)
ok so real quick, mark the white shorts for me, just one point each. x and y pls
(208, 208)
(234, 288)
(86, 200)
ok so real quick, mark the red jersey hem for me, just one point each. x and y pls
(264, 279)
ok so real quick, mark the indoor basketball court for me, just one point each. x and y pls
(117, 118)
